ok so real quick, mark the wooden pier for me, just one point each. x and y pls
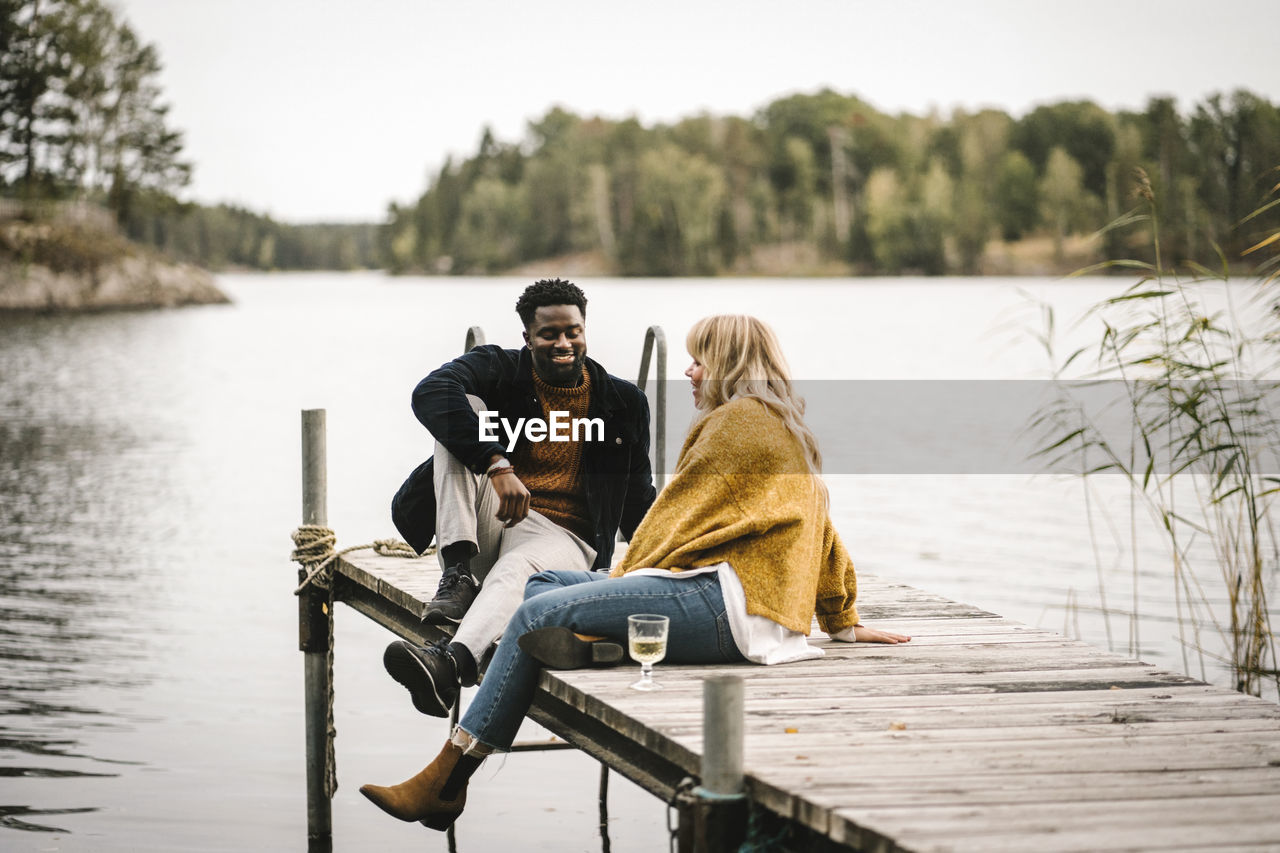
(982, 734)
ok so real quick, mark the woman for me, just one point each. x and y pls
(738, 551)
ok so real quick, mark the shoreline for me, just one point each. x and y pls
(1029, 257)
(59, 267)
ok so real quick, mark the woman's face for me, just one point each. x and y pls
(694, 372)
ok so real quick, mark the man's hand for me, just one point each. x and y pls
(513, 498)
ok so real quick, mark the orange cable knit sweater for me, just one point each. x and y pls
(552, 470)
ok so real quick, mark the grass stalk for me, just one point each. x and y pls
(1188, 380)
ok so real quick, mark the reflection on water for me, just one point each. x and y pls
(16, 817)
(72, 636)
(150, 683)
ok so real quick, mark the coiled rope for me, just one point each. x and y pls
(313, 551)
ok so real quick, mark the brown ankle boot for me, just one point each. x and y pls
(435, 797)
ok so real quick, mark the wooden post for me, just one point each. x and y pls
(714, 818)
(313, 632)
(722, 713)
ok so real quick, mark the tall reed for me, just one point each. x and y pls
(1203, 445)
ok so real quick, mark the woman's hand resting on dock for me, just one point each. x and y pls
(863, 634)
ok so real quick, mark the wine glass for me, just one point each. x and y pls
(647, 635)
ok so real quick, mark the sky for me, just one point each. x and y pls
(329, 110)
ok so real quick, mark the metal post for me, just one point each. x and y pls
(313, 631)
(714, 818)
(655, 338)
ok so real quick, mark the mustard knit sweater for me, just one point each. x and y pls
(742, 493)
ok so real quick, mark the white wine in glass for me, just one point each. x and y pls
(647, 636)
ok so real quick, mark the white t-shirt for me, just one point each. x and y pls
(760, 639)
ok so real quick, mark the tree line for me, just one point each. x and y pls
(882, 193)
(81, 109)
(82, 117)
(221, 237)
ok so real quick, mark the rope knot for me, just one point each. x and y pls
(313, 551)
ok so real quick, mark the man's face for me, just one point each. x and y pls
(558, 340)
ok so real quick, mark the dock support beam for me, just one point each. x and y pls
(713, 816)
(314, 628)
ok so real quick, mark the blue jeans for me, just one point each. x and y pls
(592, 603)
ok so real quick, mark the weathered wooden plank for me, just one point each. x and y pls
(979, 723)
(810, 730)
(877, 613)
(945, 631)
(1046, 788)
(987, 657)
(1183, 693)
(969, 639)
(903, 729)
(632, 716)
(834, 682)
(874, 667)
(838, 787)
(1224, 847)
(1114, 706)
(1191, 814)
(1249, 835)
(1254, 741)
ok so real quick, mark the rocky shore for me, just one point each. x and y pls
(67, 267)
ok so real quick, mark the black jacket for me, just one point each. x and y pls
(619, 481)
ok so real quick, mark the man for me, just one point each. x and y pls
(540, 457)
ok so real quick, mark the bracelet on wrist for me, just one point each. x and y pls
(500, 462)
(498, 472)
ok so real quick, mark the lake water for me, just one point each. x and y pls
(151, 693)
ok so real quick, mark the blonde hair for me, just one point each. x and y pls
(741, 358)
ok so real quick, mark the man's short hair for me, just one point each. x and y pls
(549, 291)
